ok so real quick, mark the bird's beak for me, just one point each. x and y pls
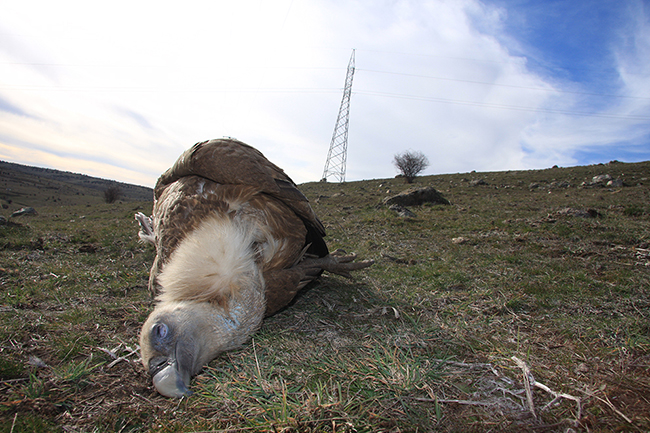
(172, 374)
(172, 381)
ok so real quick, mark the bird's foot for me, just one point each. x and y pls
(340, 263)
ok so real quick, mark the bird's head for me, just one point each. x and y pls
(179, 338)
(173, 347)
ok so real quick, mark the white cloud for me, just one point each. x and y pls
(122, 88)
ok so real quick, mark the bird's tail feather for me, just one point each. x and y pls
(146, 228)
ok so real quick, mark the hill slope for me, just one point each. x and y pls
(22, 185)
(526, 270)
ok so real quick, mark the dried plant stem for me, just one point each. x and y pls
(529, 381)
(611, 406)
(466, 402)
(257, 362)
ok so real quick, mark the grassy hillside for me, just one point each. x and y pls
(523, 306)
(22, 186)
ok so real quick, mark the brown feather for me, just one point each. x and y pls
(233, 180)
(231, 162)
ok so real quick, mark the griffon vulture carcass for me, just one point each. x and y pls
(235, 241)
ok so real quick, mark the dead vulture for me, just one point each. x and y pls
(235, 241)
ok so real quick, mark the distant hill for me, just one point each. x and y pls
(22, 185)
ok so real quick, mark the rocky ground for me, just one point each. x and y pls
(522, 305)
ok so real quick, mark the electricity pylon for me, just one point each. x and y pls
(337, 155)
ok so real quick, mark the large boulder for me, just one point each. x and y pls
(416, 197)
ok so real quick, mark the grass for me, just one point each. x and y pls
(523, 268)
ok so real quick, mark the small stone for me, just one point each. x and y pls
(616, 183)
(603, 178)
(582, 368)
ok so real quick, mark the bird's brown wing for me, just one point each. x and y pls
(217, 175)
(231, 162)
(184, 204)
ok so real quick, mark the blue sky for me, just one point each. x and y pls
(118, 90)
(572, 41)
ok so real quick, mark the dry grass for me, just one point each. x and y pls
(514, 309)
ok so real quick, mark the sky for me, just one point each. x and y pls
(120, 89)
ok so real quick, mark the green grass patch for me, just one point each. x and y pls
(422, 341)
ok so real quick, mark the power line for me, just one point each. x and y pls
(170, 89)
(332, 90)
(504, 85)
(458, 80)
(501, 106)
(190, 66)
(517, 60)
(323, 91)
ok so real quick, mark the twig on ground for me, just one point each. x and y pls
(471, 366)
(108, 352)
(257, 362)
(527, 379)
(116, 358)
(13, 424)
(466, 402)
(559, 395)
(611, 406)
(530, 380)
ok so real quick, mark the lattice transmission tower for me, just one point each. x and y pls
(337, 155)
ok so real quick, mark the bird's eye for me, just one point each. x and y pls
(160, 331)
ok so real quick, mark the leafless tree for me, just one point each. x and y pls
(410, 164)
(112, 193)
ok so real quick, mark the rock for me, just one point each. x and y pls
(477, 182)
(556, 184)
(24, 211)
(559, 185)
(581, 213)
(417, 197)
(3, 220)
(460, 240)
(615, 183)
(88, 248)
(36, 362)
(402, 211)
(603, 178)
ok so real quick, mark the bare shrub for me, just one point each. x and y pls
(410, 164)
(112, 193)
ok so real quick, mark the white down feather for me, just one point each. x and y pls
(213, 263)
